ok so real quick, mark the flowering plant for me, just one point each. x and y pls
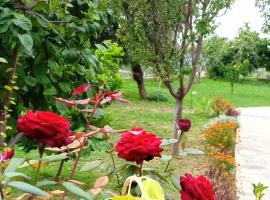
(184, 125)
(46, 128)
(138, 145)
(196, 188)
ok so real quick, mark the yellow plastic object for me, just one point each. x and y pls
(127, 197)
(150, 189)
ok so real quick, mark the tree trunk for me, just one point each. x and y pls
(177, 116)
(138, 77)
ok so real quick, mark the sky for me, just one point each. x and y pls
(242, 11)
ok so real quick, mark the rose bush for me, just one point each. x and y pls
(46, 128)
(138, 145)
(196, 188)
(184, 125)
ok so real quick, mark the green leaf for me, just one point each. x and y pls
(77, 191)
(50, 92)
(166, 158)
(54, 158)
(23, 23)
(91, 165)
(45, 182)
(16, 174)
(166, 142)
(62, 108)
(30, 80)
(176, 182)
(3, 60)
(14, 163)
(26, 41)
(25, 187)
(65, 87)
(101, 47)
(4, 25)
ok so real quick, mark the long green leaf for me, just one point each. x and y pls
(77, 191)
(16, 174)
(45, 182)
(91, 165)
(14, 163)
(25, 187)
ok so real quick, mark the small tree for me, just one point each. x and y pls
(169, 33)
(233, 72)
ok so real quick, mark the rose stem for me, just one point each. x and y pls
(76, 162)
(141, 167)
(180, 137)
(59, 170)
(113, 162)
(41, 151)
(1, 191)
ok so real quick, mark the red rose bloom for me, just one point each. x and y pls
(46, 128)
(138, 145)
(6, 155)
(196, 188)
(184, 125)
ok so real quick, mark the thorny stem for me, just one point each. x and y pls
(114, 167)
(141, 168)
(41, 151)
(59, 170)
(113, 162)
(76, 162)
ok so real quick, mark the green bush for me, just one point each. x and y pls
(157, 96)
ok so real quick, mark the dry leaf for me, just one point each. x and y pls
(95, 191)
(101, 182)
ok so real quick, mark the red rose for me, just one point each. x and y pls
(6, 155)
(196, 188)
(184, 125)
(46, 128)
(138, 145)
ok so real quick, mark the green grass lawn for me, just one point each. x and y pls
(157, 117)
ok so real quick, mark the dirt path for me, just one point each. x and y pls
(253, 151)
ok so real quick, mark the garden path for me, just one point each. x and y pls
(253, 151)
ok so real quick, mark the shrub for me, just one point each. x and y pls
(223, 183)
(220, 137)
(220, 105)
(157, 96)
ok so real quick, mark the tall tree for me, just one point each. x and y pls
(166, 35)
(264, 6)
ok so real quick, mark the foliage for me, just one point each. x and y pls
(258, 190)
(248, 51)
(55, 42)
(109, 55)
(220, 137)
(157, 96)
(213, 51)
(220, 106)
(264, 6)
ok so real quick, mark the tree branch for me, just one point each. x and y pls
(168, 84)
(195, 59)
